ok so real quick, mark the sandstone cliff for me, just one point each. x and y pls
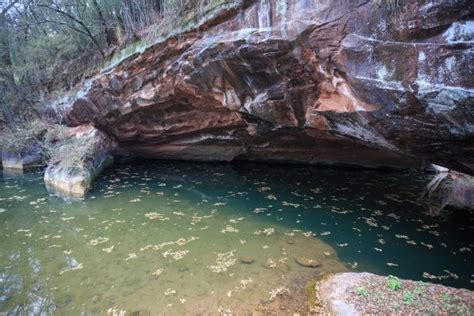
(320, 81)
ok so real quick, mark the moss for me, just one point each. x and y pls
(315, 303)
(310, 290)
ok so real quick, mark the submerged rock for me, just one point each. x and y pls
(142, 312)
(247, 260)
(73, 181)
(306, 262)
(339, 82)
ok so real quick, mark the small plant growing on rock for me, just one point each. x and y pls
(419, 289)
(361, 291)
(408, 298)
(446, 297)
(394, 283)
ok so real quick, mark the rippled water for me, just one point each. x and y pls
(168, 238)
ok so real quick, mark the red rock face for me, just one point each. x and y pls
(342, 82)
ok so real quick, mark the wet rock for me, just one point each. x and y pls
(247, 260)
(268, 265)
(449, 188)
(342, 83)
(141, 312)
(95, 299)
(306, 262)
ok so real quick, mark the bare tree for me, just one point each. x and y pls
(82, 28)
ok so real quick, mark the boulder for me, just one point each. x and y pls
(449, 189)
(247, 260)
(74, 181)
(307, 262)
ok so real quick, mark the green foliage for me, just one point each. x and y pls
(361, 291)
(446, 297)
(51, 45)
(52, 60)
(419, 289)
(408, 298)
(394, 283)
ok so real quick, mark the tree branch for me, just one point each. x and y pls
(9, 6)
(86, 31)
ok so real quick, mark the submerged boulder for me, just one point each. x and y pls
(73, 175)
(307, 262)
(247, 260)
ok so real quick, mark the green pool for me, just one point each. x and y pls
(187, 238)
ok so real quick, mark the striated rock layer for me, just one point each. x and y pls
(373, 83)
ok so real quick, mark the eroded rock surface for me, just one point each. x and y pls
(369, 83)
(74, 181)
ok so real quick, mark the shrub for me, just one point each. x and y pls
(23, 137)
(408, 298)
(361, 291)
(394, 283)
(70, 152)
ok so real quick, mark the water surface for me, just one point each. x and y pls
(168, 238)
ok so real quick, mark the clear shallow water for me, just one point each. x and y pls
(167, 238)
